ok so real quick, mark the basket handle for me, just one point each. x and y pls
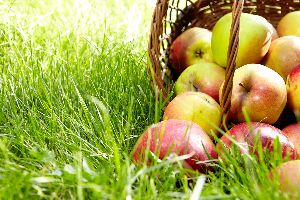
(231, 61)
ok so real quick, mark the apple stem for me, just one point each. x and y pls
(241, 84)
(199, 53)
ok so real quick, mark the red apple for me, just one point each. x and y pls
(183, 137)
(194, 106)
(202, 77)
(293, 91)
(283, 55)
(289, 177)
(191, 47)
(261, 91)
(293, 132)
(267, 134)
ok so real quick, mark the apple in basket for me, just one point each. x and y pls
(260, 91)
(274, 33)
(249, 137)
(190, 47)
(289, 24)
(202, 77)
(196, 107)
(293, 132)
(254, 39)
(169, 138)
(288, 177)
(293, 91)
(283, 55)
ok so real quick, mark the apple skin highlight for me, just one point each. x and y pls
(187, 137)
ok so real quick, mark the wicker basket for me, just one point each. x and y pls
(171, 18)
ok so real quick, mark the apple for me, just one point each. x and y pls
(283, 55)
(176, 137)
(267, 134)
(293, 132)
(254, 39)
(194, 107)
(274, 34)
(293, 91)
(288, 177)
(201, 77)
(260, 90)
(289, 24)
(191, 47)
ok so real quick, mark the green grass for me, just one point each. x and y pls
(75, 95)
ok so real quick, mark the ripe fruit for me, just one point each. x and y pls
(289, 177)
(289, 24)
(261, 91)
(254, 37)
(293, 91)
(193, 106)
(191, 47)
(267, 133)
(201, 77)
(187, 137)
(293, 132)
(283, 55)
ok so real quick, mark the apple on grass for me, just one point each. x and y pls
(196, 107)
(283, 55)
(177, 137)
(191, 47)
(288, 177)
(293, 132)
(293, 91)
(201, 77)
(246, 137)
(260, 90)
(254, 39)
(289, 24)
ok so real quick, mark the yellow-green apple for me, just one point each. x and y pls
(288, 177)
(202, 77)
(254, 39)
(293, 91)
(265, 133)
(289, 24)
(176, 137)
(196, 107)
(293, 132)
(283, 55)
(260, 91)
(191, 47)
(274, 34)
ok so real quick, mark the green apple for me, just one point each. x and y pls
(202, 77)
(261, 91)
(196, 107)
(289, 24)
(283, 55)
(254, 39)
(191, 47)
(293, 91)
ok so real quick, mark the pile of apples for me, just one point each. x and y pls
(266, 88)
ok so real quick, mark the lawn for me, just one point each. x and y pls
(75, 95)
